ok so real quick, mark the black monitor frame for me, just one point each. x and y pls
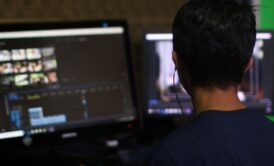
(100, 128)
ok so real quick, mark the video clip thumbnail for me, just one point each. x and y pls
(5, 55)
(48, 52)
(20, 67)
(34, 53)
(18, 54)
(6, 68)
(49, 65)
(7, 80)
(37, 79)
(21, 80)
(51, 78)
(35, 66)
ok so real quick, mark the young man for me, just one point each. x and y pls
(213, 43)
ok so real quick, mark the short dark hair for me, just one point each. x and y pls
(214, 39)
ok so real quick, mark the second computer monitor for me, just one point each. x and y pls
(161, 85)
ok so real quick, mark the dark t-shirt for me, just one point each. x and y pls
(215, 138)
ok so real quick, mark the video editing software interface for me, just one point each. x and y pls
(160, 92)
(54, 79)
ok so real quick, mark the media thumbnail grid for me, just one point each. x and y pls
(31, 66)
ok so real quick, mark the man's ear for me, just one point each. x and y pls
(250, 64)
(175, 58)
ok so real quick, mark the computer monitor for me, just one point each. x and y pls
(62, 76)
(160, 89)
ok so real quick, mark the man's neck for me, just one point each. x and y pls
(216, 99)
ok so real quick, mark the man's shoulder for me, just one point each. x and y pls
(173, 148)
(159, 157)
(218, 134)
(182, 135)
(189, 132)
(183, 140)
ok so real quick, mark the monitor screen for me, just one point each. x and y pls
(61, 76)
(160, 87)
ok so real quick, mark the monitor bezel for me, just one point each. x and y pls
(108, 127)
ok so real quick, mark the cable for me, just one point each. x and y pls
(177, 97)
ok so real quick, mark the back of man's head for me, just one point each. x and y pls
(214, 40)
